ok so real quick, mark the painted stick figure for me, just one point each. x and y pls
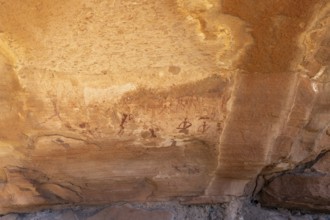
(152, 132)
(219, 127)
(203, 128)
(123, 121)
(183, 126)
(173, 143)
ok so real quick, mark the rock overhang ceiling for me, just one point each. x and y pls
(107, 101)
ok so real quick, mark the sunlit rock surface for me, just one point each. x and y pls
(139, 101)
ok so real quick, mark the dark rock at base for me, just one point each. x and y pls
(127, 212)
(309, 191)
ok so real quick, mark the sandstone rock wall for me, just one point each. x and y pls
(124, 101)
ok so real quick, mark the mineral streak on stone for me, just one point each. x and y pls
(134, 101)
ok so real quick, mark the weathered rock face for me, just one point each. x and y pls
(306, 187)
(107, 101)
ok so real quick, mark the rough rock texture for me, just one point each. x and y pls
(109, 101)
(152, 211)
(236, 210)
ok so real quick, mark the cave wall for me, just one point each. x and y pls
(142, 101)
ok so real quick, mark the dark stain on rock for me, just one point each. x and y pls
(174, 69)
(82, 125)
(33, 176)
(210, 87)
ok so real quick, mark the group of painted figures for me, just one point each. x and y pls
(183, 127)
